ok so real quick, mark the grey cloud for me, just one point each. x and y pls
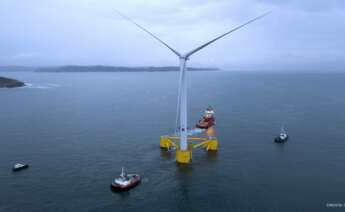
(297, 33)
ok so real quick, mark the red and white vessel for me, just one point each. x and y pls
(125, 181)
(208, 120)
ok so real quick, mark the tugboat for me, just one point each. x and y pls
(208, 119)
(282, 138)
(19, 166)
(125, 181)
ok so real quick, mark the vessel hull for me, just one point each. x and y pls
(20, 168)
(279, 140)
(118, 188)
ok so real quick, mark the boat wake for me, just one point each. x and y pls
(41, 86)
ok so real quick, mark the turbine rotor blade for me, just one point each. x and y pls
(150, 33)
(223, 35)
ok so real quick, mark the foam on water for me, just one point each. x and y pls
(41, 86)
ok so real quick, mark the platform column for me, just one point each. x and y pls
(184, 156)
(166, 143)
(212, 145)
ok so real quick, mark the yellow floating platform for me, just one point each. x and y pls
(171, 142)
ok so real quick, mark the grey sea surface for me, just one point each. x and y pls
(77, 130)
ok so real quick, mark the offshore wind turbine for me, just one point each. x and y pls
(184, 154)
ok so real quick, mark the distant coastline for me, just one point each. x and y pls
(98, 68)
(116, 69)
(17, 68)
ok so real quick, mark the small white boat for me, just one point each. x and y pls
(283, 136)
(125, 181)
(19, 166)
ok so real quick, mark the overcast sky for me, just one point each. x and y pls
(297, 35)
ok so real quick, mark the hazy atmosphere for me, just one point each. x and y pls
(307, 35)
(100, 113)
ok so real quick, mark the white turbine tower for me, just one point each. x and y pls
(182, 97)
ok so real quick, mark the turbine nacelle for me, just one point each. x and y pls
(185, 57)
